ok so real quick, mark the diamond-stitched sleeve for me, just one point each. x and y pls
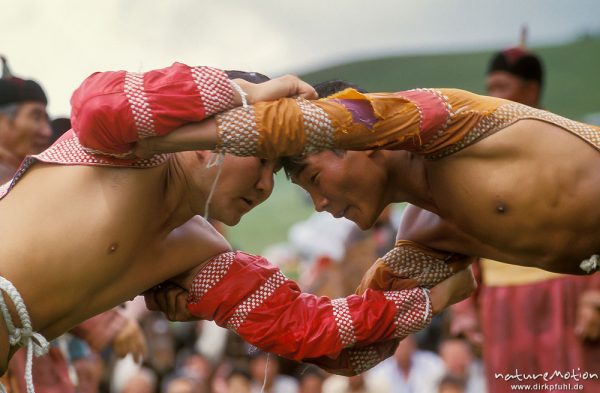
(413, 314)
(350, 120)
(410, 265)
(253, 298)
(112, 110)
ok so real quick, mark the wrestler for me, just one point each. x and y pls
(491, 177)
(118, 226)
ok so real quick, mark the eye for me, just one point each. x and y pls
(314, 178)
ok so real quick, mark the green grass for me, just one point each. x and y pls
(572, 90)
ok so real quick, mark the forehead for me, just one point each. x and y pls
(502, 77)
(32, 107)
(316, 161)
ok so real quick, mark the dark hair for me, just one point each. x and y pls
(253, 77)
(519, 62)
(311, 371)
(452, 380)
(327, 88)
(294, 165)
(238, 371)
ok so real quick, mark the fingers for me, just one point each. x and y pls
(284, 86)
(588, 323)
(306, 91)
(452, 290)
(171, 300)
(130, 340)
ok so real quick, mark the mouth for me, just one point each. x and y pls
(248, 202)
(340, 214)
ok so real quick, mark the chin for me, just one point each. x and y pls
(363, 223)
(230, 220)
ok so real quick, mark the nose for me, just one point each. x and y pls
(46, 130)
(265, 183)
(319, 201)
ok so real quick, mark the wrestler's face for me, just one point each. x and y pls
(505, 85)
(348, 184)
(244, 183)
(28, 132)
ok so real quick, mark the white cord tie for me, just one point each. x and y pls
(590, 265)
(21, 336)
(242, 93)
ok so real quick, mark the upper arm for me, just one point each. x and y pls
(429, 229)
(113, 110)
(185, 250)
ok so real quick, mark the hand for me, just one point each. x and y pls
(130, 339)
(284, 86)
(467, 325)
(452, 290)
(587, 325)
(382, 278)
(171, 300)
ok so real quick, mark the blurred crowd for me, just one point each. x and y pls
(132, 350)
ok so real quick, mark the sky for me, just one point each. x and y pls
(60, 42)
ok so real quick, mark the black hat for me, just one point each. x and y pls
(15, 90)
(253, 77)
(518, 62)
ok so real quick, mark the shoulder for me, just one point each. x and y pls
(196, 240)
(420, 225)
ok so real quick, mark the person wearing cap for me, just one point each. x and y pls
(24, 126)
(113, 226)
(24, 131)
(554, 323)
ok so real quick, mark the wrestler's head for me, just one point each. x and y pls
(24, 126)
(350, 184)
(517, 75)
(244, 183)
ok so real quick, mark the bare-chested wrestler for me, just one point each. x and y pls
(492, 178)
(112, 226)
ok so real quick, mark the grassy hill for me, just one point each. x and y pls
(572, 89)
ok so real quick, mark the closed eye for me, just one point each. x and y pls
(313, 178)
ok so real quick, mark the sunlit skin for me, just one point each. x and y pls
(121, 231)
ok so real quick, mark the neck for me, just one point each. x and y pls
(408, 180)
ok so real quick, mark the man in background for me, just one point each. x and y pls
(554, 322)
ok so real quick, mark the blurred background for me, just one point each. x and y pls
(380, 45)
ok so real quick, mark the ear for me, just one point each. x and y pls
(203, 155)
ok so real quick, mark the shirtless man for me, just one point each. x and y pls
(488, 177)
(112, 226)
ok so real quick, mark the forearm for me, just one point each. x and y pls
(193, 136)
(351, 121)
(251, 297)
(113, 110)
(411, 265)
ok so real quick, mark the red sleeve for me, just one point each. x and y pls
(112, 110)
(254, 299)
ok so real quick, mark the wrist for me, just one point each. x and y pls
(241, 89)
